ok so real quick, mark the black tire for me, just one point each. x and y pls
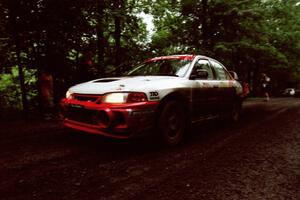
(172, 123)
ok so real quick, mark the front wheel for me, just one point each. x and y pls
(172, 123)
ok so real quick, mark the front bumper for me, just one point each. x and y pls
(110, 120)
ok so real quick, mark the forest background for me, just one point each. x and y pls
(78, 40)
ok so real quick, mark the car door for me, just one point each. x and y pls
(204, 92)
(226, 90)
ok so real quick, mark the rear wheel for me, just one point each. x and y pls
(172, 123)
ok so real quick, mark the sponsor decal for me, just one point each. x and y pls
(141, 113)
(75, 106)
(179, 57)
(154, 95)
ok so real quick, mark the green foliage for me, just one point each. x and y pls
(249, 36)
(10, 88)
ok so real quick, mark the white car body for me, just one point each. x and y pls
(148, 95)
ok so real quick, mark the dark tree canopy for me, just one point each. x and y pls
(84, 39)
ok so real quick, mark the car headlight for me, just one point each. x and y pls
(115, 98)
(69, 95)
(122, 97)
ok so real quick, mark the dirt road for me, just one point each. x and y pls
(259, 158)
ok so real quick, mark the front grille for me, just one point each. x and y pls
(90, 98)
(82, 115)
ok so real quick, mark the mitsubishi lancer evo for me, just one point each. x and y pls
(164, 94)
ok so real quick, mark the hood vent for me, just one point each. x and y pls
(106, 80)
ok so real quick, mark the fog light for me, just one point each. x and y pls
(104, 119)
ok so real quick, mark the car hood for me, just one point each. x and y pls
(118, 84)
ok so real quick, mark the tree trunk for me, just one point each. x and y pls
(256, 79)
(38, 64)
(21, 78)
(100, 36)
(204, 24)
(117, 35)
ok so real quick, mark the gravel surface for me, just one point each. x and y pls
(258, 158)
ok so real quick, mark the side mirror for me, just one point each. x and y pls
(200, 74)
(234, 75)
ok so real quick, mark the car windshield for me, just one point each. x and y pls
(162, 67)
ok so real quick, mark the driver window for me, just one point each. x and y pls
(204, 64)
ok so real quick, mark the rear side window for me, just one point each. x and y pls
(204, 64)
(221, 73)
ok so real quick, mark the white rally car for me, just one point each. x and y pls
(164, 94)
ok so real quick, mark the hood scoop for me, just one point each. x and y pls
(106, 80)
